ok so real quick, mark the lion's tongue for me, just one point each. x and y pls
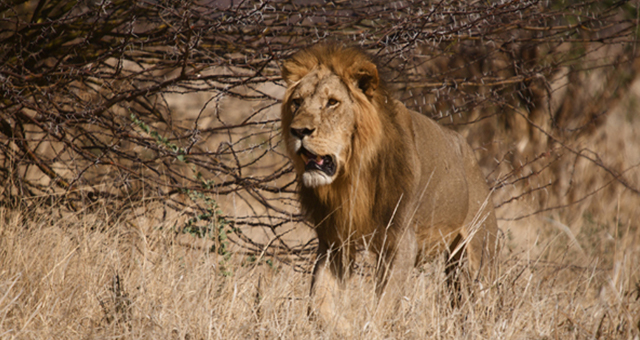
(314, 158)
(318, 160)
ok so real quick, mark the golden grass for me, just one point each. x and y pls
(79, 277)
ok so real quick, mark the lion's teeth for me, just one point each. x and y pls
(308, 157)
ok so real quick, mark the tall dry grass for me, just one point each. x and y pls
(93, 276)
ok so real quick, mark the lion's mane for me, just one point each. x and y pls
(375, 175)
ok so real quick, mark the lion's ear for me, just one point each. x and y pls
(366, 76)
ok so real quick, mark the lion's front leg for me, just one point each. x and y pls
(396, 262)
(327, 285)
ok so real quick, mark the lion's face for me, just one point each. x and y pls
(329, 121)
(318, 124)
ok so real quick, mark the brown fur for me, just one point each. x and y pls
(404, 186)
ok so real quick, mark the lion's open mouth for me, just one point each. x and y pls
(317, 162)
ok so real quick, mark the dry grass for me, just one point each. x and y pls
(78, 277)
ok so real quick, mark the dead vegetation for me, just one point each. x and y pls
(145, 193)
(76, 278)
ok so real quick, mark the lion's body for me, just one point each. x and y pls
(373, 172)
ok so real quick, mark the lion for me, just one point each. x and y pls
(372, 172)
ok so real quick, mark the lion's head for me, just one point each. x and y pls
(329, 113)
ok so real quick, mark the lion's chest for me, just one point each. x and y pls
(359, 215)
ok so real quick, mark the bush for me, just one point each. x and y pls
(122, 102)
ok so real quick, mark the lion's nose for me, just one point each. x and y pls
(301, 133)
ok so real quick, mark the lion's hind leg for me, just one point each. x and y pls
(480, 233)
(475, 245)
(480, 227)
(452, 269)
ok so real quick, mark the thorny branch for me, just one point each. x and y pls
(96, 96)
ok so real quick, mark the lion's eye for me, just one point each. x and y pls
(332, 102)
(295, 104)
